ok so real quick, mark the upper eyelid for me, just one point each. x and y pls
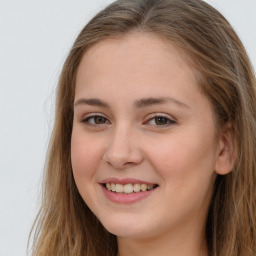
(157, 114)
(89, 115)
(153, 114)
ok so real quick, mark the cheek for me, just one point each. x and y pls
(186, 167)
(85, 158)
(185, 160)
(85, 155)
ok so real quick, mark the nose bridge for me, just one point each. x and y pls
(122, 149)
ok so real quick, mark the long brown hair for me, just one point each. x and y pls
(65, 225)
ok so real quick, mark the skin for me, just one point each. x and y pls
(181, 154)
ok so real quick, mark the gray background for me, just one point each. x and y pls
(35, 37)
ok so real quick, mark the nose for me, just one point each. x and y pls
(123, 149)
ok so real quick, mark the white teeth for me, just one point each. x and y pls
(143, 187)
(113, 187)
(119, 188)
(128, 188)
(136, 187)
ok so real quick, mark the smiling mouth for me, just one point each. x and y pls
(128, 188)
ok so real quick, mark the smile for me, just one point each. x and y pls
(128, 188)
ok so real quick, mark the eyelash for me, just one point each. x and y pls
(168, 120)
(87, 119)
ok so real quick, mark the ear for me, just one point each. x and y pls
(227, 151)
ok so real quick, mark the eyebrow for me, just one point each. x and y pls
(140, 103)
(146, 102)
(91, 102)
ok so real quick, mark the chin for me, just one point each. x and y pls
(126, 228)
(124, 232)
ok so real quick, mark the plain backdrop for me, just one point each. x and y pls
(35, 37)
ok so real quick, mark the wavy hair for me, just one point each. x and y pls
(65, 226)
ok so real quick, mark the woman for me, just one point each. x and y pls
(153, 147)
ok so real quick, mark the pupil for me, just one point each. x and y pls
(99, 120)
(161, 120)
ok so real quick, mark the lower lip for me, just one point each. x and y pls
(126, 198)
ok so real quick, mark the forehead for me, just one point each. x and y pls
(145, 44)
(134, 57)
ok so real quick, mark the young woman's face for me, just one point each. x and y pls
(144, 144)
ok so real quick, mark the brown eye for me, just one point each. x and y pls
(161, 121)
(95, 120)
(99, 120)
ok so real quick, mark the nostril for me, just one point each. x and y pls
(128, 164)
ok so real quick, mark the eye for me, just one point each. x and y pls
(161, 121)
(95, 120)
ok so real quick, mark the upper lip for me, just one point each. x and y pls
(125, 181)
